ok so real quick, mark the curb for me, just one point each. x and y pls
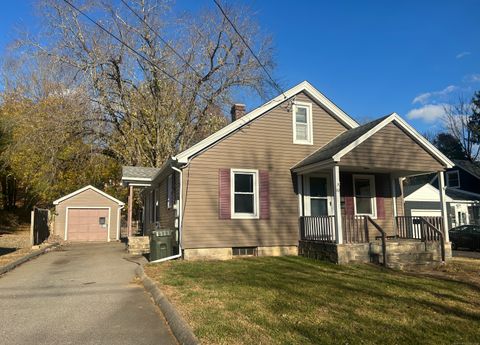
(18, 262)
(180, 328)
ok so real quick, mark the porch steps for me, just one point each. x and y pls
(405, 253)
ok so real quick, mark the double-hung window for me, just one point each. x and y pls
(244, 186)
(364, 191)
(453, 179)
(302, 123)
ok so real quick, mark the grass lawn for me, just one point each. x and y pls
(293, 300)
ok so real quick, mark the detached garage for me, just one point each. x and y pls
(88, 215)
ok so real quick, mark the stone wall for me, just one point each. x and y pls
(336, 253)
(138, 245)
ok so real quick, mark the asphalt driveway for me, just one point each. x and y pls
(80, 294)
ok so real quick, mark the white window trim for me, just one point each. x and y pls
(170, 193)
(456, 172)
(373, 200)
(307, 197)
(256, 196)
(309, 123)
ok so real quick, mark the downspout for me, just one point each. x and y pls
(119, 221)
(180, 217)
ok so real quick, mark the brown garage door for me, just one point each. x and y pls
(87, 224)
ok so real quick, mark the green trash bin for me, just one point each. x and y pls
(161, 244)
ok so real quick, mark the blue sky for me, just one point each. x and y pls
(370, 57)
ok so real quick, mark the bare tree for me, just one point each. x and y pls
(462, 121)
(145, 108)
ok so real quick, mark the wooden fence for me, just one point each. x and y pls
(39, 230)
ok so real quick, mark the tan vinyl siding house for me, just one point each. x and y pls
(294, 174)
(266, 144)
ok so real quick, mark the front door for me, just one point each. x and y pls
(317, 199)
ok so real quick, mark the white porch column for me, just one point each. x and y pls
(300, 194)
(393, 182)
(130, 210)
(336, 205)
(443, 205)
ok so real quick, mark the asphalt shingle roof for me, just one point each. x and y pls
(470, 167)
(339, 143)
(139, 172)
(458, 194)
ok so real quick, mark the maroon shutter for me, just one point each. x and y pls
(224, 210)
(381, 186)
(380, 207)
(349, 209)
(264, 195)
(346, 191)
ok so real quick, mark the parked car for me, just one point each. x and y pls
(465, 236)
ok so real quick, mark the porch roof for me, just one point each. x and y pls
(138, 175)
(340, 147)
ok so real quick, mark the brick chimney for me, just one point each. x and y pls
(237, 111)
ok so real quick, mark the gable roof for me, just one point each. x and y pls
(428, 193)
(347, 141)
(338, 143)
(423, 192)
(473, 168)
(81, 190)
(304, 86)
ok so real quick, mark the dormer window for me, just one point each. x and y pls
(453, 179)
(302, 123)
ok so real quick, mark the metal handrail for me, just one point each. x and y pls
(384, 239)
(440, 235)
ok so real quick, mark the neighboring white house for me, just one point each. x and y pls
(424, 200)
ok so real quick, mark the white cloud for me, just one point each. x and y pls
(428, 113)
(427, 96)
(472, 78)
(462, 55)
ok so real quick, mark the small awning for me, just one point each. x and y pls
(138, 176)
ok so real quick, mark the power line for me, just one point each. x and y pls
(130, 48)
(161, 38)
(274, 83)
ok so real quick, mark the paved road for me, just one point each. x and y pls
(80, 294)
(466, 254)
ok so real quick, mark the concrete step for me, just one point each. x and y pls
(411, 257)
(138, 252)
(397, 247)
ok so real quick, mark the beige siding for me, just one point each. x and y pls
(88, 198)
(265, 144)
(167, 215)
(391, 148)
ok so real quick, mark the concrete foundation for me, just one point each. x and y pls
(226, 253)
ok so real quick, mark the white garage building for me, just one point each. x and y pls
(424, 201)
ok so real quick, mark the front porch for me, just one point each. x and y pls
(417, 240)
(349, 216)
(351, 197)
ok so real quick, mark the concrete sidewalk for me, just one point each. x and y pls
(80, 294)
